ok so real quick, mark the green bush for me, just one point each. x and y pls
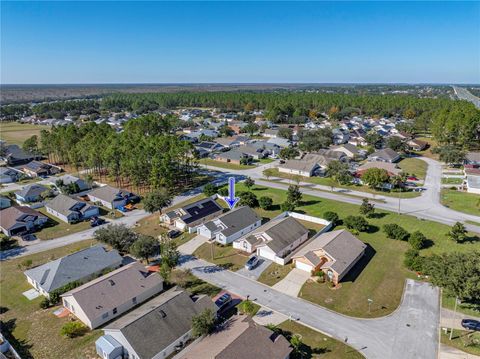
(265, 202)
(394, 231)
(287, 206)
(413, 260)
(73, 329)
(357, 223)
(45, 303)
(417, 240)
(331, 217)
(209, 190)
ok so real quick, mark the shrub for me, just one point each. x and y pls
(412, 260)
(27, 263)
(45, 303)
(209, 190)
(248, 307)
(265, 202)
(287, 206)
(248, 199)
(417, 240)
(223, 191)
(357, 223)
(73, 329)
(394, 231)
(331, 217)
(203, 323)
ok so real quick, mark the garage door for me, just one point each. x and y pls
(265, 253)
(204, 231)
(303, 266)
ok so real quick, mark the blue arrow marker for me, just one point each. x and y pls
(231, 200)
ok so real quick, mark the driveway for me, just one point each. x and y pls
(255, 272)
(293, 282)
(449, 319)
(410, 332)
(447, 352)
(192, 245)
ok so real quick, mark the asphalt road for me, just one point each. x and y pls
(410, 332)
(463, 94)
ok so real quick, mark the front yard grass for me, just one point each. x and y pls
(317, 345)
(274, 274)
(35, 332)
(465, 341)
(227, 165)
(461, 201)
(150, 226)
(414, 166)
(225, 256)
(56, 228)
(381, 274)
(452, 180)
(188, 281)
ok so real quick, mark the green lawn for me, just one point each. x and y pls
(381, 274)
(263, 161)
(428, 152)
(34, 332)
(227, 165)
(193, 284)
(461, 201)
(326, 181)
(466, 308)
(465, 341)
(274, 274)
(452, 180)
(150, 226)
(222, 255)
(414, 166)
(16, 133)
(317, 345)
(56, 228)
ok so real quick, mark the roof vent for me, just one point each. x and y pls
(162, 313)
(111, 282)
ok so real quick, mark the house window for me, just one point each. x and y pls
(115, 311)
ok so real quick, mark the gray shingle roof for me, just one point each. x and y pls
(284, 233)
(386, 153)
(65, 205)
(18, 215)
(31, 190)
(75, 266)
(153, 326)
(236, 220)
(107, 193)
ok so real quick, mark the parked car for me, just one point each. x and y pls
(412, 178)
(29, 237)
(96, 221)
(174, 233)
(251, 263)
(223, 301)
(471, 324)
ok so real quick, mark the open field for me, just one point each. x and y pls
(16, 133)
(227, 165)
(461, 201)
(381, 274)
(36, 331)
(414, 166)
(317, 345)
(465, 341)
(326, 181)
(274, 274)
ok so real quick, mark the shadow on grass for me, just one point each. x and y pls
(471, 239)
(21, 346)
(379, 215)
(372, 229)
(353, 274)
(309, 203)
(303, 351)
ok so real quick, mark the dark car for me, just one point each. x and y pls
(223, 301)
(29, 237)
(471, 324)
(174, 233)
(96, 222)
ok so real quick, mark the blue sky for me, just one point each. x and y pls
(163, 42)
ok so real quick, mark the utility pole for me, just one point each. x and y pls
(370, 301)
(454, 315)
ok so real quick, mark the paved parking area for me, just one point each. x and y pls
(293, 282)
(267, 316)
(255, 272)
(192, 245)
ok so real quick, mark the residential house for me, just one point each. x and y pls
(270, 149)
(210, 146)
(16, 220)
(79, 267)
(280, 142)
(472, 158)
(192, 215)
(13, 155)
(340, 136)
(335, 253)
(5, 202)
(358, 138)
(153, 330)
(271, 133)
(228, 142)
(36, 169)
(109, 296)
(111, 197)
(231, 225)
(240, 337)
(417, 145)
(349, 150)
(234, 156)
(299, 167)
(70, 210)
(472, 180)
(9, 175)
(384, 155)
(252, 151)
(275, 240)
(67, 180)
(30, 193)
(391, 168)
(237, 126)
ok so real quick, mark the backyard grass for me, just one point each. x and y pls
(414, 166)
(227, 165)
(35, 332)
(326, 181)
(452, 180)
(274, 274)
(56, 228)
(317, 345)
(16, 133)
(150, 226)
(428, 152)
(465, 308)
(225, 256)
(461, 201)
(465, 341)
(380, 275)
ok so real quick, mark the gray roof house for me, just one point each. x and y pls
(80, 266)
(335, 253)
(15, 220)
(275, 239)
(9, 175)
(30, 193)
(193, 214)
(231, 225)
(13, 155)
(5, 202)
(385, 155)
(305, 168)
(155, 328)
(69, 179)
(70, 210)
(472, 158)
(109, 296)
(111, 197)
